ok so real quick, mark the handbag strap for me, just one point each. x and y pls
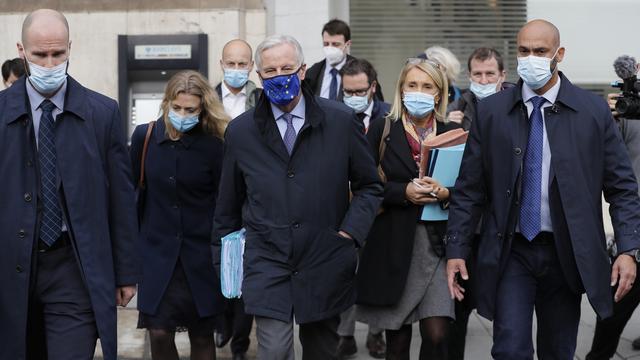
(383, 147)
(144, 153)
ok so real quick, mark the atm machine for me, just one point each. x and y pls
(145, 64)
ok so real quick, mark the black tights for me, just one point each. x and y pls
(433, 331)
(163, 346)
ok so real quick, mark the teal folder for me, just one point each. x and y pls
(444, 166)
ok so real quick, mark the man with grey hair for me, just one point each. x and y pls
(289, 166)
(67, 215)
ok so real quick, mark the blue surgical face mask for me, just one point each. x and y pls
(183, 123)
(236, 78)
(482, 91)
(282, 89)
(47, 80)
(535, 71)
(418, 104)
(357, 103)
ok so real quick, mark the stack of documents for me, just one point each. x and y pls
(231, 272)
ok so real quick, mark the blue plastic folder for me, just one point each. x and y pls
(444, 166)
(231, 272)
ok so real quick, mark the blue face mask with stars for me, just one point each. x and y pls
(282, 89)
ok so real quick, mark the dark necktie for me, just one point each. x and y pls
(530, 218)
(333, 86)
(50, 228)
(290, 133)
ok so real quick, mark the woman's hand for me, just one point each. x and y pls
(441, 192)
(419, 192)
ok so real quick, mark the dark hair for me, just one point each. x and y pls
(12, 66)
(337, 27)
(357, 66)
(485, 53)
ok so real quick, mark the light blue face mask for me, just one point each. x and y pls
(418, 104)
(236, 78)
(183, 123)
(357, 103)
(47, 80)
(482, 91)
(535, 71)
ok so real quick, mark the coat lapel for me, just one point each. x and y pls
(399, 144)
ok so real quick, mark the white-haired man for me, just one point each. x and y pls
(289, 165)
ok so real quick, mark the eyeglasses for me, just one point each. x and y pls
(417, 60)
(359, 92)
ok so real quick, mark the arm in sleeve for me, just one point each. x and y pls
(468, 196)
(123, 226)
(620, 187)
(231, 197)
(365, 186)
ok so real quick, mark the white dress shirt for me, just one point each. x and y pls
(234, 104)
(550, 97)
(298, 117)
(326, 80)
(367, 113)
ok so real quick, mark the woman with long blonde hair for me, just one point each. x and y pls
(402, 277)
(179, 289)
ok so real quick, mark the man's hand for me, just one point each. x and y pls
(124, 294)
(456, 116)
(455, 266)
(612, 98)
(623, 273)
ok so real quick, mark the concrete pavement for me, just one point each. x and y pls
(134, 344)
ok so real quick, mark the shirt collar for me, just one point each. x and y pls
(35, 98)
(297, 111)
(338, 66)
(226, 92)
(550, 95)
(369, 109)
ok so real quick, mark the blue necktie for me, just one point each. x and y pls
(290, 133)
(333, 86)
(50, 228)
(530, 218)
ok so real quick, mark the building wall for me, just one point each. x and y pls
(94, 48)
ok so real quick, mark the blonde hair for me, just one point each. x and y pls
(445, 57)
(435, 72)
(212, 116)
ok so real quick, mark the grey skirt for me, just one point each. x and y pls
(425, 294)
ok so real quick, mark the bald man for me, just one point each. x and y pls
(237, 92)
(538, 159)
(67, 213)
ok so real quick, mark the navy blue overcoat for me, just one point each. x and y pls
(588, 158)
(95, 174)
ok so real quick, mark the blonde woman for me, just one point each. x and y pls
(402, 272)
(179, 290)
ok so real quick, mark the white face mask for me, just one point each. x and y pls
(333, 54)
(482, 91)
(535, 71)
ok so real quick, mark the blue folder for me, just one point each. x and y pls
(444, 166)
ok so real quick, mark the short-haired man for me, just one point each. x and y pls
(359, 79)
(237, 93)
(538, 160)
(12, 69)
(486, 76)
(68, 216)
(323, 78)
(288, 169)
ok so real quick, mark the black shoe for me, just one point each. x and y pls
(222, 338)
(239, 356)
(347, 347)
(635, 344)
(376, 345)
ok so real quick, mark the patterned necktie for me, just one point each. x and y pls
(333, 86)
(532, 174)
(50, 228)
(290, 133)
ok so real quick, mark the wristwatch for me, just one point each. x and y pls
(634, 253)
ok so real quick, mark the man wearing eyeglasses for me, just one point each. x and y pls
(359, 80)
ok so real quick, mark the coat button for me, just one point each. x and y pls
(18, 269)
(171, 178)
(499, 235)
(29, 163)
(27, 197)
(296, 225)
(508, 193)
(295, 272)
(290, 174)
(517, 151)
(22, 233)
